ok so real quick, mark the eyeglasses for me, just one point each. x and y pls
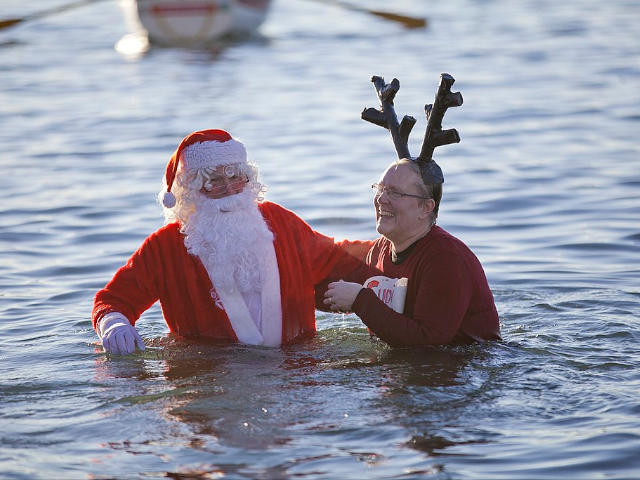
(393, 194)
(219, 185)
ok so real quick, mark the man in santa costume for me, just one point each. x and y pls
(227, 266)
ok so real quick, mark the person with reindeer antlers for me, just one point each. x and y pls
(420, 285)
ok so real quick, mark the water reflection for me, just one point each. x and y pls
(135, 46)
(257, 398)
(433, 392)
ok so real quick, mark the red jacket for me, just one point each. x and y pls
(162, 269)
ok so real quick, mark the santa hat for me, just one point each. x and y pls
(206, 148)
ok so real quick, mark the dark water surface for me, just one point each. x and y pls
(544, 187)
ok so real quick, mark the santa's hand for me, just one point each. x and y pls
(118, 335)
(341, 295)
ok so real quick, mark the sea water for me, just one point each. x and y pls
(544, 187)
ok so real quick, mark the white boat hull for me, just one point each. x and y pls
(195, 22)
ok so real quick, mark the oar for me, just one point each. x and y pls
(408, 22)
(10, 22)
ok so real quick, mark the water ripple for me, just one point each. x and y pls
(543, 187)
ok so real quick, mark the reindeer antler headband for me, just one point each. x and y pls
(434, 136)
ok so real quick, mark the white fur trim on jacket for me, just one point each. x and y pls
(270, 311)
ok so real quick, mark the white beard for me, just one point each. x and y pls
(231, 238)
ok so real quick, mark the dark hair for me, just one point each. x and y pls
(435, 192)
(428, 189)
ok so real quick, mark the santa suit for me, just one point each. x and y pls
(162, 269)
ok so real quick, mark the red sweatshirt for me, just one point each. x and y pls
(448, 298)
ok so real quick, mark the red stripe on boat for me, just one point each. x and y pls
(257, 4)
(183, 9)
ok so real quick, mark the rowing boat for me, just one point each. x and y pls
(194, 22)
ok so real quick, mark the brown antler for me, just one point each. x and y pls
(435, 136)
(386, 116)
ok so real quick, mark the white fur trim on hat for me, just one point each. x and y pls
(212, 154)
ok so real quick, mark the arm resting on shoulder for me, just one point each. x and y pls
(348, 265)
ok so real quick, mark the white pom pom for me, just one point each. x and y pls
(169, 200)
